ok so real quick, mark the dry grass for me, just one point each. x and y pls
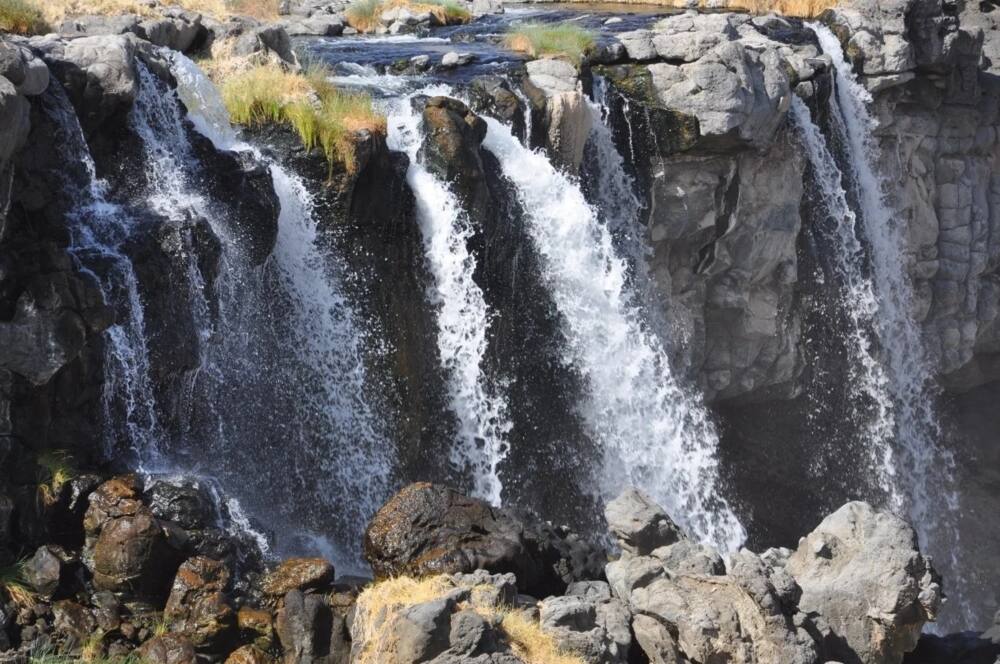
(13, 585)
(324, 117)
(792, 8)
(22, 17)
(380, 602)
(55, 11)
(57, 468)
(566, 40)
(364, 15)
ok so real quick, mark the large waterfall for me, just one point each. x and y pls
(653, 434)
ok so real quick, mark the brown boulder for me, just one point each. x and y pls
(249, 655)
(427, 529)
(298, 574)
(115, 498)
(167, 649)
(198, 606)
(131, 557)
(255, 626)
(73, 622)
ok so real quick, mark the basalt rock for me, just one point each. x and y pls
(430, 529)
(451, 150)
(298, 574)
(199, 607)
(862, 572)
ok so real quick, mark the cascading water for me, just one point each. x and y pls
(654, 436)
(98, 229)
(463, 317)
(869, 384)
(923, 466)
(283, 341)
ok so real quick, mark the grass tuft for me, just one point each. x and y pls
(22, 17)
(13, 585)
(530, 643)
(551, 39)
(57, 469)
(324, 116)
(56, 11)
(364, 15)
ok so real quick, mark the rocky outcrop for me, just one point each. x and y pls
(862, 572)
(567, 118)
(430, 529)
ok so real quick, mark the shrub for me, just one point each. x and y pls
(22, 17)
(560, 39)
(57, 469)
(324, 116)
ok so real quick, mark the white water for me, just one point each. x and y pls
(924, 467)
(654, 435)
(334, 437)
(868, 383)
(98, 228)
(463, 318)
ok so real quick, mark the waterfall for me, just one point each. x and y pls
(925, 467)
(279, 412)
(98, 229)
(869, 385)
(463, 318)
(654, 435)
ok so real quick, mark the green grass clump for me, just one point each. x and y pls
(324, 116)
(22, 17)
(552, 39)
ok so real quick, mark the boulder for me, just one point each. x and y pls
(115, 498)
(568, 119)
(265, 41)
(451, 150)
(595, 628)
(320, 25)
(167, 649)
(131, 557)
(99, 74)
(861, 570)
(249, 655)
(298, 574)
(73, 622)
(198, 606)
(430, 529)
(43, 570)
(308, 630)
(638, 524)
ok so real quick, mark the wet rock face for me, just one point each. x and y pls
(429, 529)
(452, 150)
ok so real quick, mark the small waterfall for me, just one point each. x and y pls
(653, 434)
(463, 317)
(98, 229)
(926, 468)
(869, 385)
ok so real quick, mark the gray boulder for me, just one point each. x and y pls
(266, 41)
(43, 571)
(319, 25)
(638, 524)
(688, 37)
(862, 571)
(595, 628)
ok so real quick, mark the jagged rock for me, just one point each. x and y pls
(298, 574)
(429, 529)
(568, 119)
(492, 95)
(265, 41)
(99, 75)
(597, 629)
(639, 524)
(306, 627)
(115, 498)
(167, 649)
(43, 571)
(28, 73)
(198, 606)
(738, 95)
(451, 150)
(322, 25)
(73, 621)
(186, 503)
(861, 570)
(638, 45)
(687, 557)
